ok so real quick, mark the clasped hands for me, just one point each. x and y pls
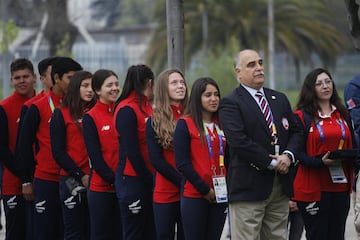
(282, 163)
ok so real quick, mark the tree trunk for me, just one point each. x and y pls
(59, 31)
(175, 31)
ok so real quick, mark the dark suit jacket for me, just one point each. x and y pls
(250, 143)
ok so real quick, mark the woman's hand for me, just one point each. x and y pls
(210, 196)
(328, 161)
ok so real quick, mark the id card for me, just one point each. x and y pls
(337, 174)
(220, 189)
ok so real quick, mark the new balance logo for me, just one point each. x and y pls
(312, 209)
(105, 128)
(69, 202)
(40, 206)
(134, 207)
(11, 203)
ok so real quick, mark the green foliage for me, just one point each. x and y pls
(217, 64)
(63, 46)
(133, 12)
(302, 29)
(11, 32)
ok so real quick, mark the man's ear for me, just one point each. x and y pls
(237, 70)
(56, 77)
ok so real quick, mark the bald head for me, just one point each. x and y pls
(249, 68)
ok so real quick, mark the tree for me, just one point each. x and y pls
(302, 28)
(59, 31)
(59, 28)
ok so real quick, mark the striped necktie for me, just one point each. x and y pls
(265, 108)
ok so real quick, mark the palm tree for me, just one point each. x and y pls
(301, 29)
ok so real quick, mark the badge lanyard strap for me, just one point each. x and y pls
(275, 139)
(211, 153)
(322, 135)
(51, 104)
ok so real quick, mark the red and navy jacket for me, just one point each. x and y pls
(130, 124)
(167, 178)
(312, 176)
(36, 128)
(18, 166)
(9, 121)
(193, 158)
(67, 144)
(102, 146)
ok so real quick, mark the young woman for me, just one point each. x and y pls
(170, 100)
(102, 146)
(134, 175)
(323, 183)
(68, 149)
(199, 146)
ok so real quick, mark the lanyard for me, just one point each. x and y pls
(211, 153)
(51, 104)
(322, 135)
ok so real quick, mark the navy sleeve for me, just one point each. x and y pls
(157, 158)
(126, 125)
(6, 156)
(352, 100)
(308, 161)
(182, 157)
(25, 162)
(93, 148)
(23, 110)
(58, 146)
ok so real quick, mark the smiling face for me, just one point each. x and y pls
(323, 87)
(176, 88)
(250, 70)
(86, 92)
(109, 91)
(23, 81)
(210, 99)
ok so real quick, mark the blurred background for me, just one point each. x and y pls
(115, 34)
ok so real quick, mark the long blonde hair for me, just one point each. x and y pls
(163, 121)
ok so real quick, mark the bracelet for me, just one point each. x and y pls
(26, 184)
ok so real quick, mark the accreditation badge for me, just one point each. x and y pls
(220, 189)
(337, 173)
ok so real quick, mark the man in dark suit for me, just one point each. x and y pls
(263, 139)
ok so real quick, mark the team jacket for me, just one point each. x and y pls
(167, 178)
(67, 144)
(19, 168)
(36, 129)
(130, 124)
(193, 158)
(102, 146)
(9, 120)
(312, 176)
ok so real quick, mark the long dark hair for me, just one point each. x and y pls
(72, 98)
(136, 79)
(195, 106)
(308, 99)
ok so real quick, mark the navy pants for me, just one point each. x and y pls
(135, 201)
(202, 220)
(75, 212)
(105, 221)
(167, 216)
(48, 223)
(15, 215)
(295, 225)
(326, 219)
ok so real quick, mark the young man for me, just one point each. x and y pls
(22, 79)
(36, 129)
